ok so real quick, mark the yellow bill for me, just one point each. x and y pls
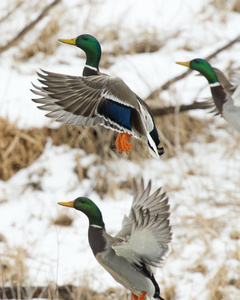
(68, 41)
(186, 64)
(68, 204)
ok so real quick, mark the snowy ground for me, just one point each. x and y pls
(202, 180)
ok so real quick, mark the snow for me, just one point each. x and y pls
(202, 181)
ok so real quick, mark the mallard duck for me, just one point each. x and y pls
(226, 97)
(96, 98)
(142, 243)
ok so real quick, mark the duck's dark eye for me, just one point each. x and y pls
(84, 38)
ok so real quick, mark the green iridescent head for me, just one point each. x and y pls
(89, 45)
(88, 207)
(203, 67)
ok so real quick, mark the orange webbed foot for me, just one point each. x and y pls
(141, 297)
(118, 142)
(122, 142)
(134, 296)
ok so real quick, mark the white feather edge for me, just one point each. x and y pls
(149, 127)
(215, 84)
(108, 95)
(90, 67)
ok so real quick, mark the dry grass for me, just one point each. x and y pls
(199, 268)
(92, 140)
(63, 220)
(226, 279)
(105, 185)
(179, 129)
(223, 5)
(218, 284)
(2, 238)
(46, 42)
(68, 292)
(13, 268)
(235, 235)
(144, 42)
(169, 291)
(14, 283)
(19, 148)
(236, 6)
(223, 8)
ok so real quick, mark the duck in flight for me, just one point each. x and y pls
(140, 246)
(96, 98)
(226, 97)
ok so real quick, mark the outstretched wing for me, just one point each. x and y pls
(146, 232)
(87, 101)
(225, 83)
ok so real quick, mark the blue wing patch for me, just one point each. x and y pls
(116, 112)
